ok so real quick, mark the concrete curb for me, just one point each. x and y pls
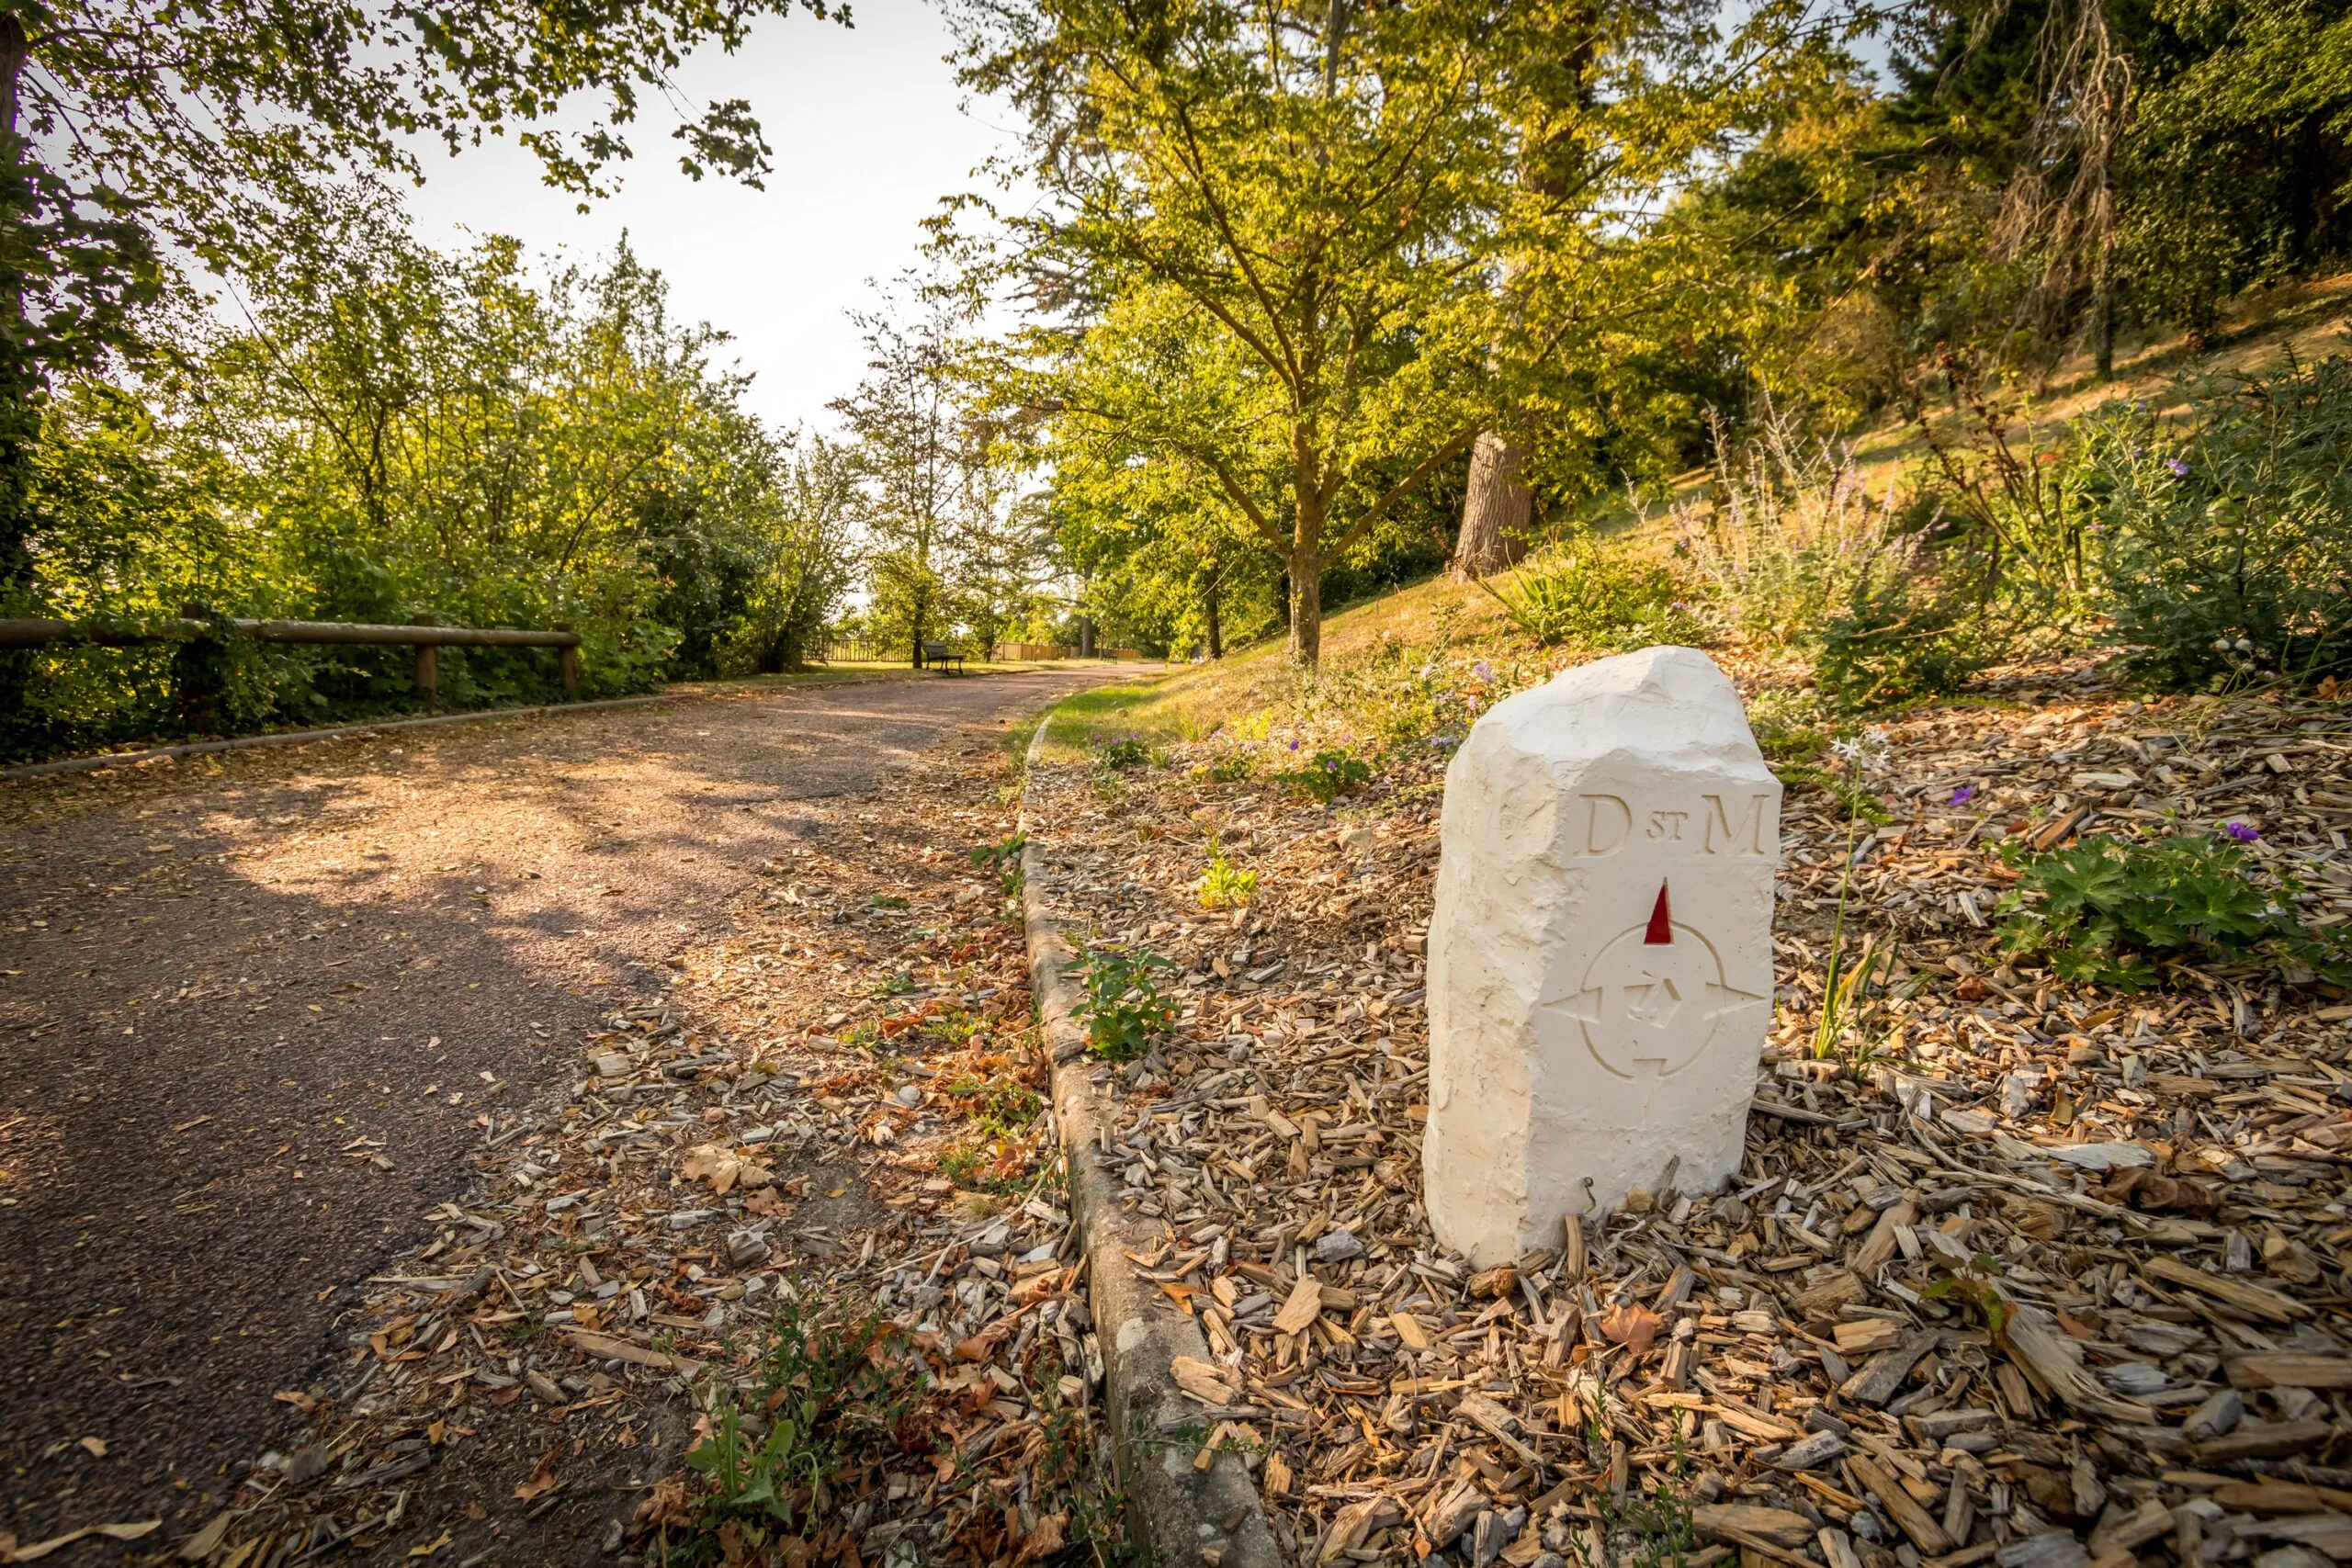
(1186, 1517)
(427, 721)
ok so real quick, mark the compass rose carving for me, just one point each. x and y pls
(1652, 999)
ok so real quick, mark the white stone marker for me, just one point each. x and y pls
(1601, 955)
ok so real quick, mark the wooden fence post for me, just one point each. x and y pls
(567, 662)
(198, 676)
(428, 664)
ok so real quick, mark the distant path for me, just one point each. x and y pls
(249, 1006)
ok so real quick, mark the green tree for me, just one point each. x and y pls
(1167, 561)
(398, 432)
(126, 128)
(1273, 237)
(1003, 556)
(803, 555)
(916, 450)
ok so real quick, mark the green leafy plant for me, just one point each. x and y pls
(1123, 1010)
(1231, 767)
(2225, 550)
(1000, 1107)
(1224, 885)
(1120, 752)
(1003, 857)
(885, 987)
(2099, 909)
(1976, 1285)
(1328, 775)
(822, 1404)
(1901, 637)
(1587, 594)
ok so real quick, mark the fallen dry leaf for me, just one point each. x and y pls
(542, 1479)
(1630, 1323)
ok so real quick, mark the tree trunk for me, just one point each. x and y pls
(20, 388)
(917, 660)
(1086, 637)
(1306, 612)
(1217, 634)
(1495, 511)
(2103, 312)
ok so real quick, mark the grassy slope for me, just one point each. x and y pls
(1191, 703)
(2307, 321)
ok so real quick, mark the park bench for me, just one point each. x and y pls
(937, 654)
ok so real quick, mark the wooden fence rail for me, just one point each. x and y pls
(426, 639)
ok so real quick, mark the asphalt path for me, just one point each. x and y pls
(253, 1005)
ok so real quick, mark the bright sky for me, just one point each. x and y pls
(868, 135)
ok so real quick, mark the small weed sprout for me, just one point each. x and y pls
(1122, 1009)
(997, 1107)
(1847, 990)
(1845, 986)
(1636, 1530)
(1223, 886)
(1328, 775)
(1120, 752)
(1003, 857)
(979, 1164)
(824, 1397)
(1976, 1284)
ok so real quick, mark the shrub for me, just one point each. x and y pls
(2227, 549)
(1588, 594)
(1123, 1010)
(1789, 537)
(1406, 695)
(1328, 775)
(1789, 725)
(1901, 638)
(2101, 909)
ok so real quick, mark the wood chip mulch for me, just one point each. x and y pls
(834, 1111)
(2038, 1274)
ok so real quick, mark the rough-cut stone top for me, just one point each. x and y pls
(1671, 703)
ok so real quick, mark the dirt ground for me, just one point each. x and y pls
(256, 1009)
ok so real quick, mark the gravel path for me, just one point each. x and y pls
(251, 1006)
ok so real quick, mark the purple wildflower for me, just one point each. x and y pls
(1482, 670)
(1293, 745)
(1963, 795)
(2180, 469)
(2241, 832)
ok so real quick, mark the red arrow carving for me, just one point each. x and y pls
(1661, 931)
